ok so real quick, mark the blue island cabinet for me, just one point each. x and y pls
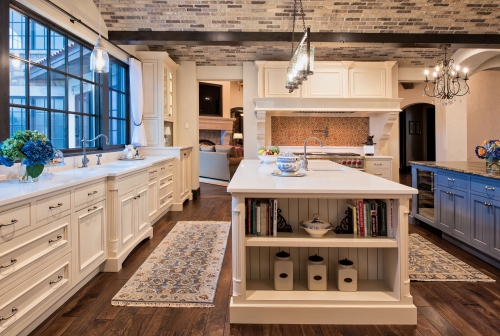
(466, 208)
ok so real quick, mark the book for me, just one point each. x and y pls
(248, 221)
(257, 218)
(366, 210)
(275, 217)
(382, 218)
(254, 217)
(354, 218)
(391, 221)
(361, 214)
(374, 218)
(263, 220)
(268, 219)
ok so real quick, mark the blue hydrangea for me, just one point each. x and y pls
(6, 161)
(37, 152)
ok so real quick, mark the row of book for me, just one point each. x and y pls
(261, 216)
(372, 217)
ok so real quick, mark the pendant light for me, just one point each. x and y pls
(99, 59)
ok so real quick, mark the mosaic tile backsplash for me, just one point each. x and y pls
(342, 131)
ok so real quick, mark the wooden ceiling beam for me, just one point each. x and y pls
(396, 40)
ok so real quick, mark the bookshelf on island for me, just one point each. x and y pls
(383, 287)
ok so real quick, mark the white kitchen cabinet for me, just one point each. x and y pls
(380, 166)
(152, 198)
(159, 87)
(90, 234)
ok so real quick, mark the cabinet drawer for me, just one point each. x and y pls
(25, 251)
(88, 194)
(15, 222)
(380, 172)
(169, 166)
(127, 182)
(166, 200)
(153, 172)
(450, 180)
(375, 164)
(53, 207)
(485, 187)
(41, 288)
(166, 181)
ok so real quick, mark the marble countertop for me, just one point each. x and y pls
(467, 167)
(12, 190)
(324, 177)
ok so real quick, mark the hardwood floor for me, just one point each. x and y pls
(444, 308)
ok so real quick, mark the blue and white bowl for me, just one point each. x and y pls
(288, 163)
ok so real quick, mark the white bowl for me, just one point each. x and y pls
(268, 158)
(316, 233)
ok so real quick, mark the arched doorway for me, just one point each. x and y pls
(417, 135)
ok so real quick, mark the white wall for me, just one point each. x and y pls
(187, 115)
(250, 76)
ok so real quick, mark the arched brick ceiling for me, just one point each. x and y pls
(364, 16)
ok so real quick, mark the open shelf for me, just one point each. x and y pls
(300, 238)
(368, 291)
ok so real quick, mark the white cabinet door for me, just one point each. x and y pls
(151, 128)
(91, 232)
(325, 83)
(275, 81)
(149, 78)
(141, 208)
(152, 199)
(127, 220)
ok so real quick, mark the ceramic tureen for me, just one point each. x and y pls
(288, 163)
(316, 227)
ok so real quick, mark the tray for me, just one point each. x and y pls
(134, 159)
(280, 174)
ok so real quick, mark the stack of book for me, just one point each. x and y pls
(372, 217)
(261, 216)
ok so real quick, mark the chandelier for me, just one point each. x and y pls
(447, 80)
(302, 58)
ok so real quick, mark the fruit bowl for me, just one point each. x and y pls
(268, 158)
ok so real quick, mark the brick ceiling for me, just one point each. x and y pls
(364, 16)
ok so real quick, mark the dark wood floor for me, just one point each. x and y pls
(444, 308)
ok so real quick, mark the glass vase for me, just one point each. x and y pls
(24, 177)
(493, 166)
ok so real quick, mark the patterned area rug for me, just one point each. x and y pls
(430, 263)
(182, 271)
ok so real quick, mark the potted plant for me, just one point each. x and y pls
(32, 149)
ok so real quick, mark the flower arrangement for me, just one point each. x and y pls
(31, 147)
(490, 150)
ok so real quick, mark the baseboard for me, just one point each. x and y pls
(484, 257)
(212, 181)
(196, 193)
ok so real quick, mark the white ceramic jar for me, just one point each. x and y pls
(283, 271)
(347, 276)
(316, 273)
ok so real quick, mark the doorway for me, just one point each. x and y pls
(417, 135)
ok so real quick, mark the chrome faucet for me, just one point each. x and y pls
(85, 159)
(304, 160)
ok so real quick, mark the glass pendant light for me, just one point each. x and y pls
(99, 59)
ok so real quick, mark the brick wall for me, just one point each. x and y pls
(342, 131)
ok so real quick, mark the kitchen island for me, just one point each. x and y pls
(383, 294)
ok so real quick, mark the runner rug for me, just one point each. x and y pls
(430, 263)
(183, 271)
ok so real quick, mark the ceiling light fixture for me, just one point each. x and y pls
(99, 59)
(447, 80)
(302, 59)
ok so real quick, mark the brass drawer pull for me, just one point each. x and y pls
(92, 209)
(58, 238)
(55, 206)
(377, 164)
(378, 174)
(162, 183)
(12, 222)
(12, 262)
(450, 179)
(162, 202)
(93, 193)
(138, 196)
(486, 187)
(59, 279)
(14, 311)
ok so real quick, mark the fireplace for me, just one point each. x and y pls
(216, 129)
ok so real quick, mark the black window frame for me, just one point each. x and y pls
(102, 120)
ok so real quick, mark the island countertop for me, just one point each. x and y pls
(466, 167)
(324, 177)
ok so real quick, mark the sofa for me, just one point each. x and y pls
(218, 162)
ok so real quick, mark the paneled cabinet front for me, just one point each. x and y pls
(453, 213)
(485, 224)
(91, 238)
(153, 198)
(133, 215)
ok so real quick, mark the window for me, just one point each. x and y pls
(52, 89)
